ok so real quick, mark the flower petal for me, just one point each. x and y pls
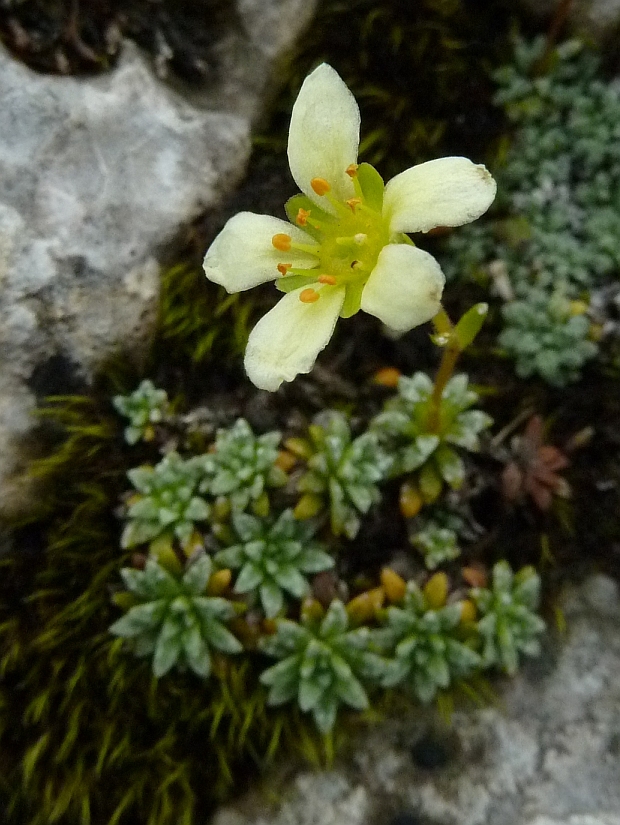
(287, 340)
(442, 192)
(324, 134)
(242, 255)
(404, 289)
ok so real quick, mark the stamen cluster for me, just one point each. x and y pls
(349, 236)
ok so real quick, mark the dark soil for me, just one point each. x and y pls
(85, 36)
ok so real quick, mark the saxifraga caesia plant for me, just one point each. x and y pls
(323, 663)
(419, 642)
(346, 471)
(345, 248)
(174, 620)
(273, 559)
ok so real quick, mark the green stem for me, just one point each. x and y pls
(450, 356)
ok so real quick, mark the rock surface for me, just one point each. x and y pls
(547, 754)
(597, 20)
(96, 177)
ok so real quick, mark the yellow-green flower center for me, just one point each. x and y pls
(348, 237)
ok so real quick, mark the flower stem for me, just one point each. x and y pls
(444, 331)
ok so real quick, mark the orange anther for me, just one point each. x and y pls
(302, 217)
(320, 186)
(351, 170)
(309, 296)
(284, 268)
(353, 202)
(327, 279)
(281, 242)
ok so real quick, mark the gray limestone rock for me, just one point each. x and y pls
(548, 752)
(97, 175)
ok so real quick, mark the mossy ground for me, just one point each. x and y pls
(86, 734)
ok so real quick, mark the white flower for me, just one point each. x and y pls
(344, 249)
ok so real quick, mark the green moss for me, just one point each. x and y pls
(199, 320)
(86, 733)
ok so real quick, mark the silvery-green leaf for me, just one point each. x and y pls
(462, 658)
(310, 693)
(271, 598)
(527, 588)
(211, 608)
(351, 692)
(144, 509)
(502, 577)
(134, 581)
(466, 427)
(507, 649)
(325, 715)
(141, 477)
(167, 649)
(451, 466)
(132, 435)
(315, 561)
(256, 551)
(424, 687)
(405, 648)
(197, 575)
(249, 578)
(276, 477)
(224, 482)
(197, 510)
(335, 621)
(438, 671)
(230, 557)
(396, 672)
(281, 692)
(144, 645)
(413, 456)
(351, 524)
(291, 580)
(417, 388)
(246, 526)
(166, 516)
(449, 616)
(221, 638)
(141, 618)
(196, 652)
(456, 392)
(290, 637)
(284, 672)
(362, 497)
(139, 532)
(159, 580)
(184, 530)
